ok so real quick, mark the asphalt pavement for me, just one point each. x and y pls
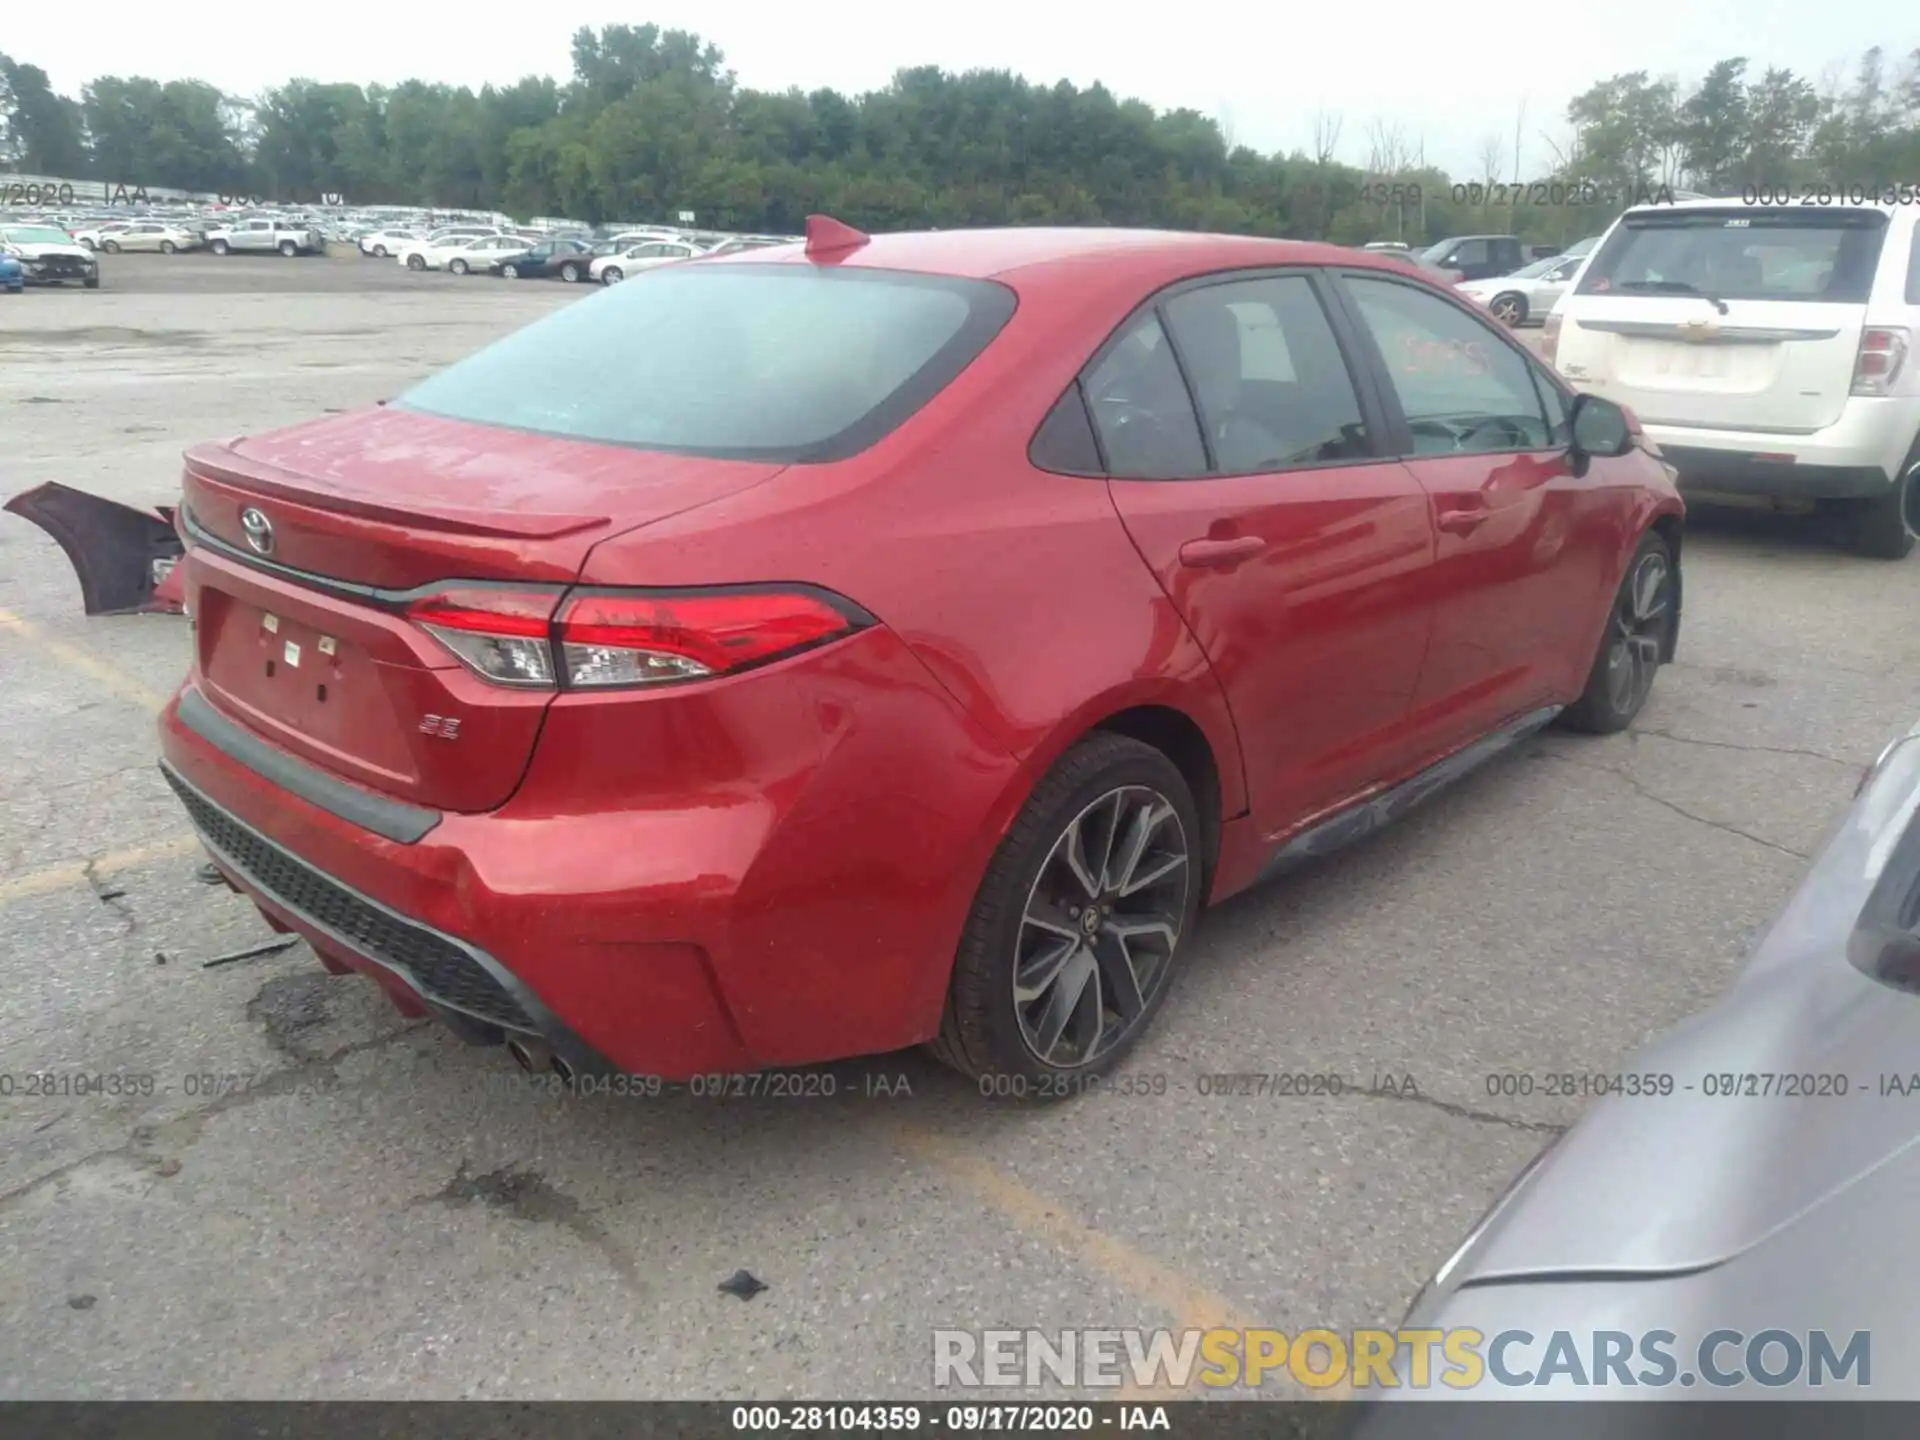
(296, 1193)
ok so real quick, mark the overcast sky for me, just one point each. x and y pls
(1264, 70)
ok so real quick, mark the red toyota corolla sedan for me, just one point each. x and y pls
(891, 640)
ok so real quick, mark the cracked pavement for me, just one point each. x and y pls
(293, 1191)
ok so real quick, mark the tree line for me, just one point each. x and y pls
(651, 123)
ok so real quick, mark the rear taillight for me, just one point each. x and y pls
(1550, 336)
(614, 638)
(501, 635)
(1882, 352)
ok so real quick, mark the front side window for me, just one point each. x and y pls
(1461, 387)
(1272, 387)
(1141, 410)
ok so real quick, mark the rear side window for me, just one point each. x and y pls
(1141, 409)
(1268, 375)
(1742, 253)
(789, 364)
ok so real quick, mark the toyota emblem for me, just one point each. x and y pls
(259, 530)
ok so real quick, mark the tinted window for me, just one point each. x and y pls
(1272, 388)
(1742, 254)
(1464, 390)
(1141, 410)
(1470, 252)
(787, 363)
(1064, 442)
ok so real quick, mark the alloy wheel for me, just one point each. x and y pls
(1506, 309)
(1103, 918)
(1638, 625)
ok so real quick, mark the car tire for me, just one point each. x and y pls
(1045, 867)
(1637, 637)
(510, 272)
(288, 248)
(92, 282)
(416, 262)
(112, 247)
(570, 274)
(1885, 527)
(167, 247)
(612, 275)
(219, 247)
(1509, 307)
(91, 245)
(456, 267)
(380, 252)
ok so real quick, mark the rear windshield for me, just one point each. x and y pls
(784, 363)
(1742, 254)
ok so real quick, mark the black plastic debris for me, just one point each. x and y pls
(743, 1284)
(82, 1302)
(253, 952)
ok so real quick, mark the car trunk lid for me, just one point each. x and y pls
(308, 644)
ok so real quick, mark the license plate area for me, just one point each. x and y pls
(283, 667)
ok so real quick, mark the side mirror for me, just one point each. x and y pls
(1600, 428)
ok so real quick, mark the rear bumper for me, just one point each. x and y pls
(1856, 457)
(808, 911)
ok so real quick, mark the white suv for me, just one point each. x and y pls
(1768, 349)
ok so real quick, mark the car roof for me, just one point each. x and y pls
(1155, 257)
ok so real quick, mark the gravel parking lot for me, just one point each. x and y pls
(362, 1207)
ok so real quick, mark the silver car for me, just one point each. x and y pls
(1755, 1201)
(1528, 293)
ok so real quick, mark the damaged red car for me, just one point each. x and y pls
(892, 640)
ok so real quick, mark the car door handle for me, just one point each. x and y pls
(1461, 522)
(1221, 552)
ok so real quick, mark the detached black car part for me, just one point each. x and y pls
(125, 558)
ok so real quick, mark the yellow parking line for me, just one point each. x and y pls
(1192, 1305)
(77, 659)
(58, 877)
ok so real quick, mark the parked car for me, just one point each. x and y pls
(432, 252)
(1474, 257)
(1527, 294)
(464, 255)
(1752, 1168)
(265, 236)
(50, 256)
(614, 753)
(612, 269)
(739, 243)
(1768, 347)
(568, 260)
(163, 237)
(91, 235)
(13, 275)
(380, 244)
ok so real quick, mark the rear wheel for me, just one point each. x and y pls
(1509, 307)
(416, 262)
(379, 252)
(1077, 926)
(570, 274)
(219, 247)
(167, 247)
(112, 247)
(510, 272)
(1886, 526)
(456, 267)
(1630, 650)
(289, 249)
(612, 275)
